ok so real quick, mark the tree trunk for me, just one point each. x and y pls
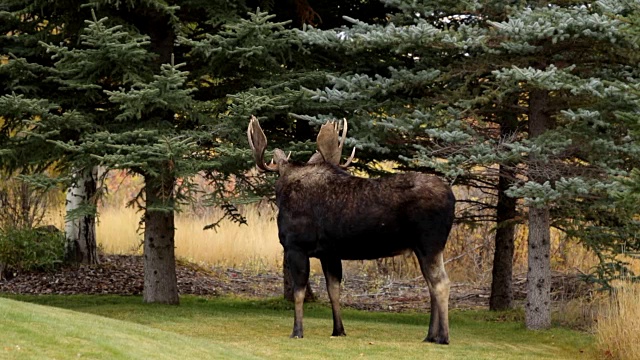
(538, 306)
(160, 282)
(288, 284)
(502, 275)
(81, 231)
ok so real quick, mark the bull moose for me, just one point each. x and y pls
(326, 213)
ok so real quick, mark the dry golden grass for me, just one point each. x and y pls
(618, 326)
(470, 252)
(117, 231)
(255, 246)
(580, 313)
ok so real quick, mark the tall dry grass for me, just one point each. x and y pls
(618, 326)
(255, 246)
(469, 252)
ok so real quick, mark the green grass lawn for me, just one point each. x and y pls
(114, 327)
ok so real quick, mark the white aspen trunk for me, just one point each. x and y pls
(81, 232)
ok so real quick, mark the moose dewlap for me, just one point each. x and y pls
(326, 213)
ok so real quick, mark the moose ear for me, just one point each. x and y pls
(316, 158)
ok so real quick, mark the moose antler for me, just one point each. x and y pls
(258, 143)
(330, 143)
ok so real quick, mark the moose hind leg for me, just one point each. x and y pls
(332, 269)
(299, 270)
(432, 266)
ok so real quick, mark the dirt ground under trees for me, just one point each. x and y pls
(123, 275)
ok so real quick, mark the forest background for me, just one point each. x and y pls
(530, 109)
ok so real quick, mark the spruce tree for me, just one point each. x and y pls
(137, 131)
(264, 61)
(24, 24)
(116, 97)
(529, 90)
(578, 148)
(401, 103)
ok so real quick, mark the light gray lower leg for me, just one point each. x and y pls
(298, 295)
(332, 269)
(299, 271)
(438, 282)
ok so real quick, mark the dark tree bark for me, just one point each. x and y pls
(502, 275)
(506, 212)
(538, 306)
(160, 282)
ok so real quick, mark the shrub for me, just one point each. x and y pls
(24, 200)
(30, 249)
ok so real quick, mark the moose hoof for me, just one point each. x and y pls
(295, 336)
(437, 340)
(339, 333)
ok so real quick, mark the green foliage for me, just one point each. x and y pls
(253, 43)
(453, 99)
(109, 52)
(434, 87)
(31, 249)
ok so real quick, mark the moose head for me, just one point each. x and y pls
(328, 141)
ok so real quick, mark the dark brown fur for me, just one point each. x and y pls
(326, 213)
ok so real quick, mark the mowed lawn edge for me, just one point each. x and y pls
(32, 331)
(113, 327)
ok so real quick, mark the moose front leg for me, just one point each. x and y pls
(332, 269)
(299, 270)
